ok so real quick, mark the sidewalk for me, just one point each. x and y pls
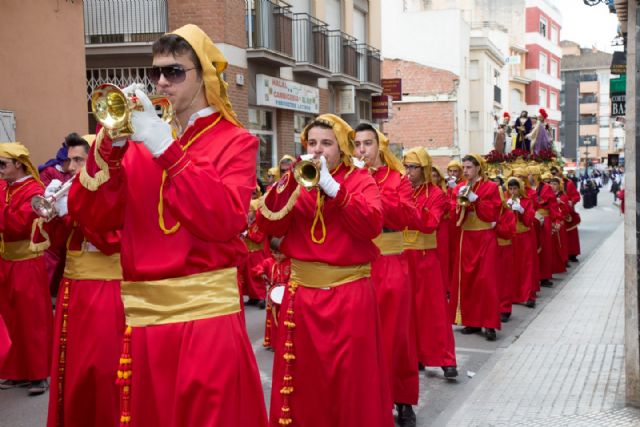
(567, 367)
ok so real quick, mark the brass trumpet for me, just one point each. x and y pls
(463, 197)
(307, 174)
(112, 109)
(45, 207)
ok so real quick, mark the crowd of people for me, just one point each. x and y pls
(363, 262)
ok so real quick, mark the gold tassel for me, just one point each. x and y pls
(102, 176)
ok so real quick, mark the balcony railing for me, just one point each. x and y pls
(368, 64)
(592, 120)
(310, 40)
(343, 54)
(269, 26)
(590, 99)
(124, 21)
(497, 94)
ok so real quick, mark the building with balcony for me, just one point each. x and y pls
(587, 131)
(288, 61)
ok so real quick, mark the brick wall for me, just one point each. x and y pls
(284, 129)
(239, 95)
(419, 79)
(324, 101)
(222, 20)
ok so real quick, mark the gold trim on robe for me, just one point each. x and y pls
(18, 251)
(389, 243)
(93, 266)
(321, 275)
(473, 223)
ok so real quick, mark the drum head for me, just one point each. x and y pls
(276, 294)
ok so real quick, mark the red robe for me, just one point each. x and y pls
(201, 372)
(390, 276)
(573, 237)
(546, 200)
(453, 234)
(474, 286)
(559, 238)
(338, 375)
(25, 303)
(505, 231)
(436, 345)
(252, 286)
(278, 274)
(86, 353)
(525, 247)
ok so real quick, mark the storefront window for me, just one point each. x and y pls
(300, 121)
(261, 125)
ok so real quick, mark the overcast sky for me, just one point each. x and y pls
(587, 25)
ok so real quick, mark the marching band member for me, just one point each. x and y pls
(454, 178)
(89, 315)
(443, 234)
(436, 346)
(573, 195)
(181, 204)
(389, 272)
(505, 232)
(560, 256)
(25, 303)
(329, 368)
(474, 290)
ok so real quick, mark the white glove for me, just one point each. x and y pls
(472, 197)
(493, 225)
(62, 205)
(510, 202)
(540, 218)
(52, 188)
(329, 185)
(131, 89)
(452, 183)
(306, 157)
(518, 208)
(149, 129)
(358, 163)
(463, 189)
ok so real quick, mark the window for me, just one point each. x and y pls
(360, 25)
(365, 110)
(261, 125)
(542, 98)
(543, 63)
(554, 68)
(553, 102)
(300, 121)
(543, 26)
(554, 34)
(474, 69)
(333, 14)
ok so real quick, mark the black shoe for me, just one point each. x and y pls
(490, 334)
(406, 416)
(420, 367)
(37, 387)
(468, 330)
(262, 304)
(8, 384)
(574, 258)
(504, 317)
(450, 371)
(252, 301)
(531, 303)
(546, 283)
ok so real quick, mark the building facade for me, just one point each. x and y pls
(288, 62)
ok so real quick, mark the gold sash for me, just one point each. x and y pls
(18, 251)
(521, 228)
(253, 246)
(543, 212)
(413, 239)
(321, 275)
(389, 243)
(504, 242)
(473, 223)
(93, 266)
(181, 299)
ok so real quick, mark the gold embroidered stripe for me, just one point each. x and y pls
(93, 266)
(181, 299)
(389, 243)
(18, 251)
(321, 275)
(413, 239)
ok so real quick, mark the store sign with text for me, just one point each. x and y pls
(380, 107)
(279, 93)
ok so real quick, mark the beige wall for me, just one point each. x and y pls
(43, 71)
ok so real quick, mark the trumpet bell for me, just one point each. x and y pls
(43, 207)
(463, 197)
(307, 174)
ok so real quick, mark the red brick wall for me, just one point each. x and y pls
(419, 79)
(284, 129)
(239, 95)
(222, 20)
(324, 101)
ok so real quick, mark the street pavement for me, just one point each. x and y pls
(482, 364)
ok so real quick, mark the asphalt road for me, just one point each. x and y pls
(438, 397)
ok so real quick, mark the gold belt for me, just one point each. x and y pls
(181, 299)
(253, 246)
(321, 275)
(543, 212)
(413, 239)
(93, 266)
(389, 243)
(504, 242)
(18, 251)
(521, 228)
(473, 223)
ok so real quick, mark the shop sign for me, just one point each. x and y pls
(393, 88)
(380, 107)
(279, 93)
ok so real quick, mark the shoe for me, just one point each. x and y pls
(546, 283)
(9, 384)
(468, 330)
(252, 301)
(420, 367)
(37, 387)
(450, 371)
(531, 303)
(490, 334)
(406, 416)
(504, 317)
(574, 258)
(262, 304)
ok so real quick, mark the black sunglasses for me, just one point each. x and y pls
(173, 73)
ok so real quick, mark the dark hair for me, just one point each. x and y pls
(513, 182)
(316, 124)
(554, 169)
(274, 243)
(175, 45)
(470, 158)
(75, 140)
(366, 127)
